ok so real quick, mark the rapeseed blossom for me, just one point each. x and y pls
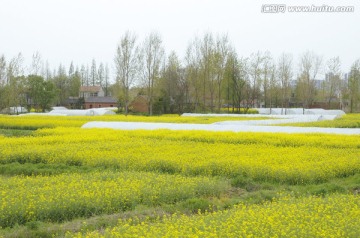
(163, 167)
(294, 159)
(67, 196)
(333, 216)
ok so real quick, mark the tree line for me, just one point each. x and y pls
(44, 87)
(212, 77)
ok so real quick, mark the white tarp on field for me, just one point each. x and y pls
(59, 108)
(74, 112)
(41, 114)
(282, 119)
(217, 127)
(88, 112)
(225, 115)
(298, 111)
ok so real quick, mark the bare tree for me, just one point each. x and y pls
(93, 73)
(266, 72)
(15, 83)
(284, 72)
(107, 80)
(46, 71)
(127, 65)
(310, 66)
(171, 89)
(237, 80)
(100, 75)
(183, 87)
(152, 56)
(221, 55)
(207, 50)
(332, 79)
(192, 69)
(354, 86)
(87, 76)
(83, 75)
(36, 64)
(61, 82)
(2, 70)
(256, 60)
(273, 86)
(71, 69)
(174, 85)
(74, 81)
(2, 82)
(229, 74)
(15, 67)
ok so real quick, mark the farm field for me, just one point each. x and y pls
(58, 180)
(33, 122)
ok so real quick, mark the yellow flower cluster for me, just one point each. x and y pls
(67, 196)
(295, 159)
(334, 216)
(242, 110)
(35, 122)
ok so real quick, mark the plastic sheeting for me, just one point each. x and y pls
(88, 112)
(216, 127)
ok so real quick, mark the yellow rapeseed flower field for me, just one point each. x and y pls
(336, 216)
(127, 169)
(67, 196)
(294, 159)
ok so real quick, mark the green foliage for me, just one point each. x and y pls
(354, 87)
(41, 92)
(13, 94)
(326, 189)
(15, 132)
(30, 169)
(244, 182)
(195, 205)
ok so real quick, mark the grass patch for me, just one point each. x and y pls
(30, 169)
(15, 132)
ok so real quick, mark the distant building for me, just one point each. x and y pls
(91, 91)
(74, 103)
(139, 104)
(91, 97)
(98, 102)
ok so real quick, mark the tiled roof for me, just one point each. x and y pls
(100, 100)
(92, 89)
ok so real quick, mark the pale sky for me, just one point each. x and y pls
(80, 30)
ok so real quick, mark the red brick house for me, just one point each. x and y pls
(98, 102)
(139, 104)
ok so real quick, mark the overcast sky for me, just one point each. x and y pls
(80, 30)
